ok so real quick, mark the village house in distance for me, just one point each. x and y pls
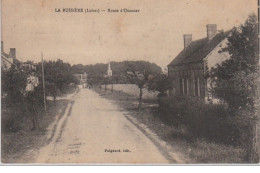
(7, 59)
(187, 70)
(82, 78)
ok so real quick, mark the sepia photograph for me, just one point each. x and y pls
(130, 82)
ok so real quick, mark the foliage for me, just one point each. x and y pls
(57, 76)
(212, 122)
(12, 97)
(13, 83)
(17, 103)
(97, 72)
(159, 83)
(235, 80)
(139, 74)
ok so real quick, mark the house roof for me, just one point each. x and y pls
(198, 50)
(6, 57)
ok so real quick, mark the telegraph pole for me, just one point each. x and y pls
(43, 84)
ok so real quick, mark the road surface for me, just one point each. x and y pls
(95, 130)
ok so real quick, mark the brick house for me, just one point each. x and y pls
(187, 70)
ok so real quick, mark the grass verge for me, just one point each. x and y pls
(197, 150)
(22, 145)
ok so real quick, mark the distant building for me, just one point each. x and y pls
(187, 70)
(82, 78)
(109, 70)
(7, 59)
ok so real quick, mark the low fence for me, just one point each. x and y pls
(132, 89)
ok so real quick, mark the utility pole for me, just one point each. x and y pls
(43, 84)
(112, 88)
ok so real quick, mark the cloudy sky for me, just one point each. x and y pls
(154, 34)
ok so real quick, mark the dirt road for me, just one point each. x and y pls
(95, 130)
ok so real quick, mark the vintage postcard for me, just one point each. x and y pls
(129, 82)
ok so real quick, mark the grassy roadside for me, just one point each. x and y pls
(21, 146)
(197, 150)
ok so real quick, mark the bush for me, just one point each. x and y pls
(18, 113)
(215, 123)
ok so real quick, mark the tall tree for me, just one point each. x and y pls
(57, 76)
(13, 84)
(15, 95)
(235, 80)
(139, 74)
(97, 71)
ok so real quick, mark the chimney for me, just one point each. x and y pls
(12, 53)
(2, 46)
(187, 40)
(211, 31)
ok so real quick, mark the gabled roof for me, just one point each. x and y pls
(198, 50)
(5, 57)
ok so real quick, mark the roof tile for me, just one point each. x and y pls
(198, 50)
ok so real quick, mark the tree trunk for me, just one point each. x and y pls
(54, 100)
(140, 99)
(33, 112)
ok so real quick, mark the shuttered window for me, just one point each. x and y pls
(197, 87)
(181, 86)
(185, 86)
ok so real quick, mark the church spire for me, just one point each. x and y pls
(109, 70)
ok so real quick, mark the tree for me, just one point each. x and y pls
(231, 78)
(160, 83)
(20, 102)
(139, 74)
(97, 71)
(34, 100)
(57, 77)
(235, 80)
(13, 84)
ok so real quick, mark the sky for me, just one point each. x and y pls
(154, 34)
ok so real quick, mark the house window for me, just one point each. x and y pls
(197, 87)
(181, 86)
(184, 86)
